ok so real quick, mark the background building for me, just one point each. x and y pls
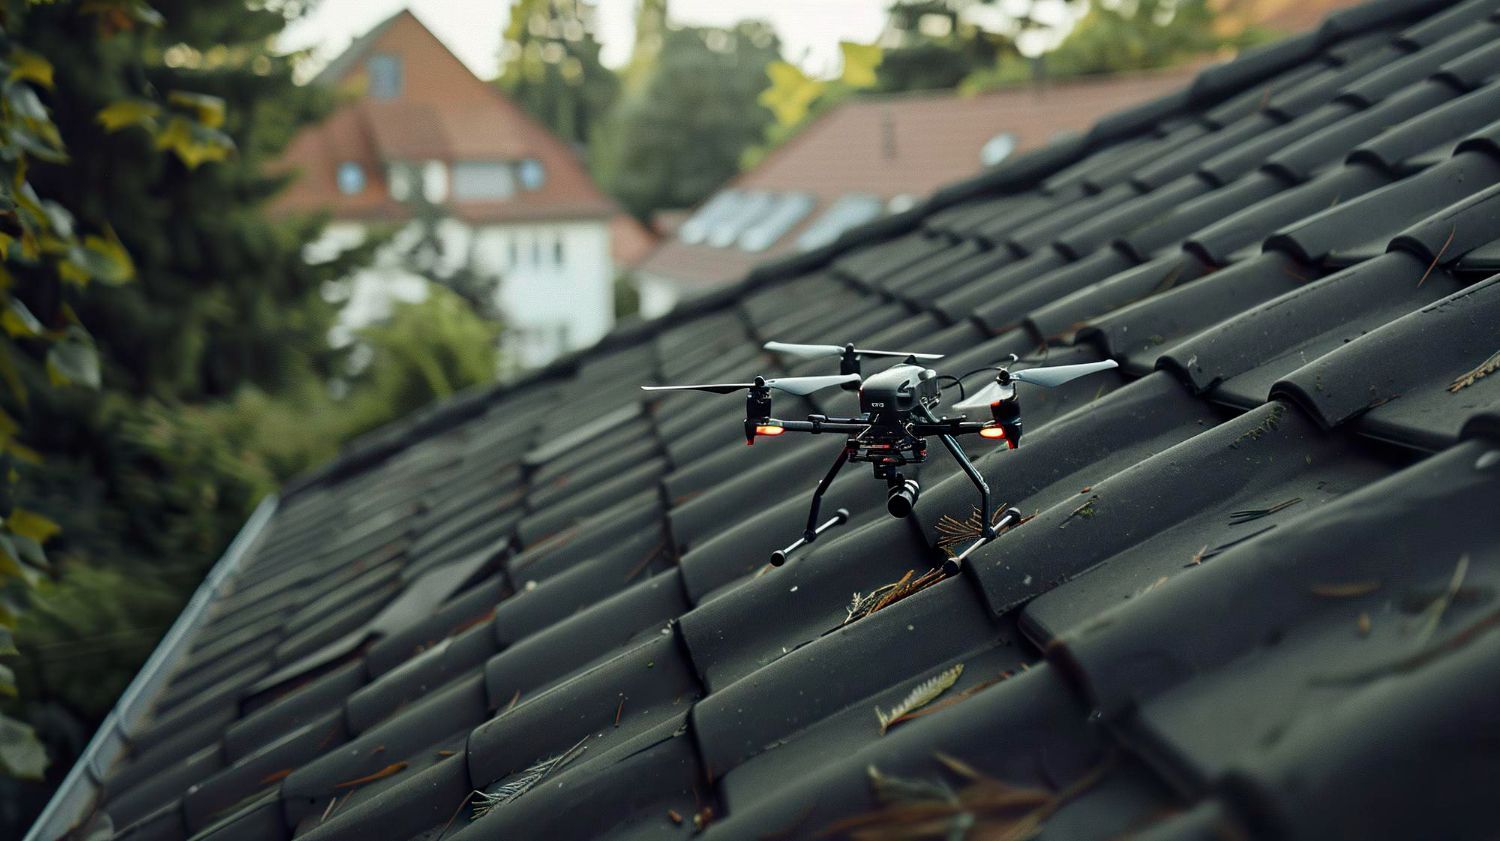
(428, 147)
(867, 157)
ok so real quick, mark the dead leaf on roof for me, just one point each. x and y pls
(1345, 589)
(388, 771)
(1487, 367)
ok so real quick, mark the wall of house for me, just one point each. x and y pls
(554, 280)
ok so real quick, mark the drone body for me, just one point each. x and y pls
(898, 412)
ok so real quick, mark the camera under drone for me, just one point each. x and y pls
(898, 414)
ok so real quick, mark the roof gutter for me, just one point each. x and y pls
(74, 799)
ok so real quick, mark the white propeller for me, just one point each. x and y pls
(1046, 377)
(799, 386)
(824, 351)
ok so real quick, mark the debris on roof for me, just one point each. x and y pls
(1254, 595)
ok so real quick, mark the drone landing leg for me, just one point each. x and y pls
(987, 531)
(813, 527)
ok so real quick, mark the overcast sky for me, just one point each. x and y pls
(810, 30)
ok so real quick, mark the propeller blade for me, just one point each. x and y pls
(804, 351)
(1059, 374)
(825, 351)
(985, 396)
(807, 385)
(716, 388)
(864, 352)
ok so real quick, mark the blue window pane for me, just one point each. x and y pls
(351, 178)
(532, 175)
(385, 76)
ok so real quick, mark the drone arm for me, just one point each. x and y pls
(818, 424)
(947, 427)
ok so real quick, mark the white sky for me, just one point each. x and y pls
(810, 30)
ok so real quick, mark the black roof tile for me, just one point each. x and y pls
(1223, 612)
(1416, 379)
(1361, 228)
(1240, 358)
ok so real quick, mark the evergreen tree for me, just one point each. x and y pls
(550, 66)
(683, 135)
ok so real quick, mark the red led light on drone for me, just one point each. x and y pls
(769, 430)
(992, 432)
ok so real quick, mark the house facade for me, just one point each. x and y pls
(421, 145)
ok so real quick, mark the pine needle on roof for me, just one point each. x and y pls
(526, 781)
(925, 693)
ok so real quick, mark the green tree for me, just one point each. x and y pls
(1128, 37)
(935, 46)
(53, 251)
(683, 135)
(550, 66)
(188, 291)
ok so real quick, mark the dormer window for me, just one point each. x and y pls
(482, 181)
(351, 178)
(385, 76)
(531, 173)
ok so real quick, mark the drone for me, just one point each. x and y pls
(898, 413)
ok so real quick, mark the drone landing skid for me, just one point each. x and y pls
(839, 517)
(1008, 519)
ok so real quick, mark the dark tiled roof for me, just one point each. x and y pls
(1255, 595)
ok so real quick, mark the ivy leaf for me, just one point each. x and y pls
(127, 113)
(106, 259)
(10, 562)
(7, 681)
(860, 61)
(25, 103)
(21, 754)
(28, 66)
(12, 377)
(73, 361)
(208, 109)
(32, 525)
(194, 144)
(18, 320)
(7, 641)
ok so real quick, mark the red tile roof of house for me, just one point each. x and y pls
(444, 112)
(906, 144)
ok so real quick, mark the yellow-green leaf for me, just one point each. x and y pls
(860, 61)
(27, 65)
(73, 362)
(21, 754)
(127, 113)
(17, 320)
(194, 144)
(10, 563)
(31, 524)
(12, 378)
(208, 109)
(20, 451)
(72, 272)
(107, 258)
(791, 92)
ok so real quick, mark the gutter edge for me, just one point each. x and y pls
(75, 797)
